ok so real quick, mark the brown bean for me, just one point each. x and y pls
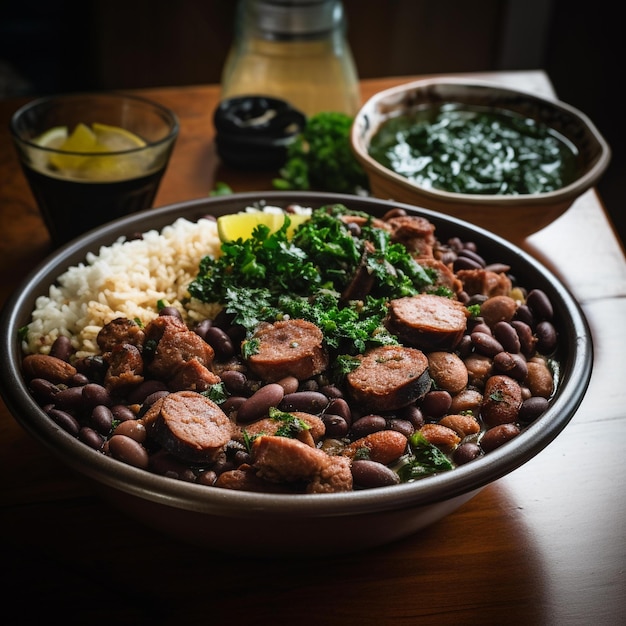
(70, 398)
(43, 390)
(498, 309)
(539, 379)
(94, 394)
(384, 446)
(466, 400)
(129, 451)
(48, 367)
(235, 381)
(402, 426)
(448, 371)
(338, 406)
(462, 425)
(259, 403)
(496, 436)
(441, 436)
(479, 369)
(289, 384)
(220, 342)
(369, 474)
(133, 429)
(501, 401)
(526, 338)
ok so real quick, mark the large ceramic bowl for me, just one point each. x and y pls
(269, 524)
(511, 216)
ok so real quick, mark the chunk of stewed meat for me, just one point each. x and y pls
(292, 347)
(389, 378)
(416, 233)
(125, 368)
(170, 344)
(442, 275)
(244, 478)
(193, 376)
(119, 331)
(485, 282)
(427, 321)
(189, 426)
(303, 426)
(284, 460)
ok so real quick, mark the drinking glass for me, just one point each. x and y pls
(78, 188)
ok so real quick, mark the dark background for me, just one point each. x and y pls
(71, 45)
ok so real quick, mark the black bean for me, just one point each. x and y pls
(486, 344)
(539, 303)
(339, 406)
(171, 310)
(367, 425)
(102, 419)
(524, 314)
(465, 263)
(234, 381)
(532, 408)
(336, 425)
(526, 338)
(313, 402)
(331, 391)
(94, 394)
(473, 255)
(466, 452)
(43, 390)
(66, 421)
(258, 404)
(122, 413)
(513, 365)
(154, 396)
(546, 337)
(201, 328)
(62, 348)
(368, 474)
(507, 336)
(220, 342)
(413, 414)
(91, 437)
(402, 426)
(142, 391)
(436, 403)
(498, 435)
(70, 398)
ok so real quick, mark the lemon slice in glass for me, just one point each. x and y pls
(95, 143)
(240, 225)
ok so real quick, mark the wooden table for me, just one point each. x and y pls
(544, 545)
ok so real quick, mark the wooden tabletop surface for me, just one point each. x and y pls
(543, 545)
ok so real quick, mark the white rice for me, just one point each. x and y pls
(126, 279)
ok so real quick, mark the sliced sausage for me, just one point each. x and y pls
(427, 321)
(288, 348)
(189, 426)
(389, 377)
(416, 233)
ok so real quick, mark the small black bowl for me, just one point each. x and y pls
(254, 132)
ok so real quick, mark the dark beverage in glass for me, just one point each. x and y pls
(92, 158)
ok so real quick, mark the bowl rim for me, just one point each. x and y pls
(228, 503)
(361, 125)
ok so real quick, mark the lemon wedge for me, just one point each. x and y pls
(95, 143)
(240, 225)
